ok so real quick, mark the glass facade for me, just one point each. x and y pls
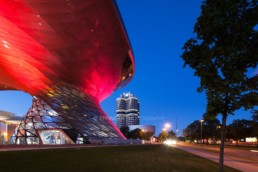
(82, 119)
(54, 137)
(40, 117)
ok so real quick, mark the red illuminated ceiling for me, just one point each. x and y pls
(45, 42)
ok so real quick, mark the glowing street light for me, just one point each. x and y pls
(167, 125)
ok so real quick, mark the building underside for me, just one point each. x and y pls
(69, 55)
(75, 116)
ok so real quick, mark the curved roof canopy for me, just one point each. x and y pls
(49, 42)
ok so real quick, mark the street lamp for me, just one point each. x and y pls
(201, 129)
(167, 125)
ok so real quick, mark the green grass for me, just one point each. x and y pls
(149, 158)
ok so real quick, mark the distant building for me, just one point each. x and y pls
(127, 110)
(8, 123)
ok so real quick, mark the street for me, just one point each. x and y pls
(236, 157)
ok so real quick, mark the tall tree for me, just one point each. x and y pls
(225, 48)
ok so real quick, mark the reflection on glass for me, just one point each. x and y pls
(54, 137)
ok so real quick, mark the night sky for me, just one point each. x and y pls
(166, 91)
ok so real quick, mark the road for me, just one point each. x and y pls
(242, 159)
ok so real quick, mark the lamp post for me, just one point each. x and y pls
(165, 129)
(201, 129)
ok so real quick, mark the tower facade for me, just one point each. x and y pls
(127, 110)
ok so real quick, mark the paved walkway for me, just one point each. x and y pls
(242, 164)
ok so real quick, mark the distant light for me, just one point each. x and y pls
(254, 150)
(251, 139)
(170, 142)
(167, 125)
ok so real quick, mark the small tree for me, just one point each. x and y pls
(171, 135)
(163, 136)
(147, 135)
(125, 131)
(225, 48)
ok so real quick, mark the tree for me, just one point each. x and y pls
(239, 129)
(225, 48)
(210, 128)
(162, 136)
(125, 131)
(192, 131)
(146, 135)
(135, 134)
(254, 125)
(255, 115)
(171, 135)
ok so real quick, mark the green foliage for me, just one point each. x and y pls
(125, 131)
(163, 136)
(254, 124)
(239, 129)
(225, 48)
(192, 131)
(136, 133)
(255, 115)
(171, 135)
(210, 129)
(167, 135)
(146, 135)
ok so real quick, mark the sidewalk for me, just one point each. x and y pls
(241, 164)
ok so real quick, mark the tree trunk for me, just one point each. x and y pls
(222, 138)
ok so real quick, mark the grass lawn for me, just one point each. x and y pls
(148, 158)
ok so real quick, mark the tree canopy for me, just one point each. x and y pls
(210, 130)
(225, 48)
(240, 129)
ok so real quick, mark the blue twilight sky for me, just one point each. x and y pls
(166, 91)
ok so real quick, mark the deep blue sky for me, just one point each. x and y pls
(167, 91)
